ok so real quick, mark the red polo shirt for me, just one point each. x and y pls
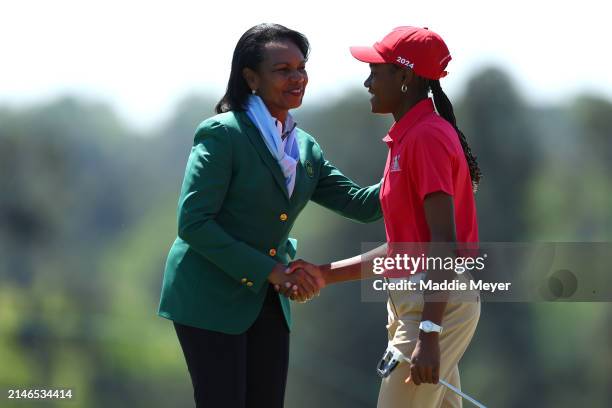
(425, 156)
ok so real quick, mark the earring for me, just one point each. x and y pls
(253, 91)
(404, 88)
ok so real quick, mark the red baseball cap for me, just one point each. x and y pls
(420, 49)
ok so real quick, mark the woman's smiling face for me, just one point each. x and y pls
(281, 78)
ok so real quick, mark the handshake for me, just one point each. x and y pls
(300, 281)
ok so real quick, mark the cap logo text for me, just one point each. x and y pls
(405, 62)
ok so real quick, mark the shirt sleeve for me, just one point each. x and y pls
(430, 163)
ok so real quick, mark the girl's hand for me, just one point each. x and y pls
(425, 360)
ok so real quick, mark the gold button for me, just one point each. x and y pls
(283, 217)
(272, 252)
(249, 284)
(243, 280)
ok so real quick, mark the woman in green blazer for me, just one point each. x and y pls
(250, 173)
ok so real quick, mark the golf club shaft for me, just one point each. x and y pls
(461, 393)
(443, 382)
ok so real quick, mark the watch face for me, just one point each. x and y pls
(427, 326)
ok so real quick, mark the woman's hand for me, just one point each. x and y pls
(313, 270)
(303, 271)
(299, 286)
(425, 360)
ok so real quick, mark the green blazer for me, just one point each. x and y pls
(234, 219)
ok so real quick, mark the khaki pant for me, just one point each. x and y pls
(459, 323)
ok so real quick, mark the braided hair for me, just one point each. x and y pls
(445, 109)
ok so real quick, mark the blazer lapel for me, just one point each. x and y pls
(263, 151)
(300, 170)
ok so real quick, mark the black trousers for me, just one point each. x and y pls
(247, 370)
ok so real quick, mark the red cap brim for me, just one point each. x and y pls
(367, 54)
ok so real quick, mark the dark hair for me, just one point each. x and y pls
(445, 109)
(249, 53)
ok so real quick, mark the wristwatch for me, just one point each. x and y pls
(428, 326)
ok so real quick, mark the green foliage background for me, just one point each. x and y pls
(88, 213)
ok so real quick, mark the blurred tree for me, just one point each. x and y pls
(594, 116)
(498, 126)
